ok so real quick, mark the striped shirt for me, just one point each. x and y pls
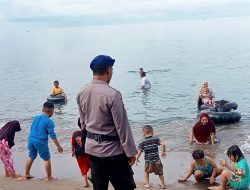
(150, 147)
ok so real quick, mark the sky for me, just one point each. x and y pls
(118, 11)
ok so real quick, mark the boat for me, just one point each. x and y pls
(56, 99)
(223, 112)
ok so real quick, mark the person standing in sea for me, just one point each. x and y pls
(109, 142)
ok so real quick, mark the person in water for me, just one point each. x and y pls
(7, 135)
(206, 95)
(145, 83)
(58, 91)
(204, 131)
(140, 72)
(202, 167)
(240, 178)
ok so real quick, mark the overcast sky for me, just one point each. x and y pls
(119, 11)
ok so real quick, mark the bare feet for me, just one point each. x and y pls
(15, 176)
(215, 188)
(85, 182)
(51, 178)
(146, 185)
(22, 178)
(86, 185)
(163, 186)
(29, 177)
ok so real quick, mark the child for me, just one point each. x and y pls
(78, 150)
(152, 159)
(241, 177)
(140, 72)
(145, 83)
(58, 91)
(206, 97)
(41, 127)
(7, 135)
(202, 167)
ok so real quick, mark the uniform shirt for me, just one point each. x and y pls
(150, 147)
(57, 91)
(102, 112)
(145, 83)
(42, 127)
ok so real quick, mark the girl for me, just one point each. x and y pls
(78, 151)
(241, 177)
(202, 167)
(205, 95)
(7, 135)
(204, 131)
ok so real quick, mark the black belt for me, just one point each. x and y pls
(99, 138)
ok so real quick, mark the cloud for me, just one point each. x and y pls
(119, 10)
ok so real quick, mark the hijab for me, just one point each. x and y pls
(8, 131)
(202, 132)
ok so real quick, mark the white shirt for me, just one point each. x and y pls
(145, 83)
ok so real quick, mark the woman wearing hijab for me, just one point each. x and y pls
(7, 135)
(204, 131)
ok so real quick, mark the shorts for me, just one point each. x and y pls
(38, 147)
(114, 169)
(83, 163)
(205, 175)
(155, 167)
(236, 184)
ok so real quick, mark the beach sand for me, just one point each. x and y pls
(66, 170)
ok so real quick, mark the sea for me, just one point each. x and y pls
(177, 56)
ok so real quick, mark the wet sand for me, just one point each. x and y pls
(66, 170)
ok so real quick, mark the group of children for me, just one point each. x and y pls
(42, 126)
(202, 167)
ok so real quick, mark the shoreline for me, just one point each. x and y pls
(68, 175)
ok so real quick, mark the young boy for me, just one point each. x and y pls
(58, 91)
(78, 151)
(152, 159)
(145, 83)
(202, 167)
(42, 127)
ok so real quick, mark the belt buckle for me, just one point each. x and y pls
(98, 138)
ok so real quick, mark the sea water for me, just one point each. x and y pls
(177, 56)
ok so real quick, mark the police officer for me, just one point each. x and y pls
(109, 142)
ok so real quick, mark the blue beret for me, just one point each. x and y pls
(101, 62)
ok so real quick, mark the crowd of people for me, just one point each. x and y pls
(104, 146)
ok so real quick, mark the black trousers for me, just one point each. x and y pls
(115, 170)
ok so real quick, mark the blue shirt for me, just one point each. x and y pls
(42, 127)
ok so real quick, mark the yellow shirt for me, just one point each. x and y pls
(57, 91)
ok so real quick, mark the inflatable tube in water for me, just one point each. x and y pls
(224, 105)
(220, 106)
(56, 99)
(223, 117)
